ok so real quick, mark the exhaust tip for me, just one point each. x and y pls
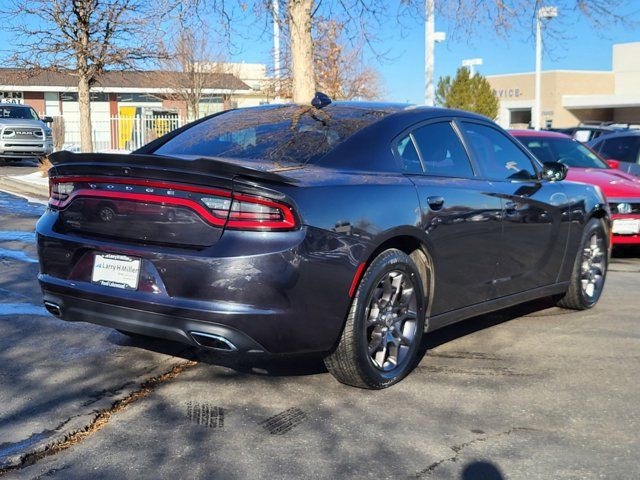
(215, 342)
(53, 309)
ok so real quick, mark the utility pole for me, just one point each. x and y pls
(430, 39)
(546, 13)
(276, 48)
(429, 49)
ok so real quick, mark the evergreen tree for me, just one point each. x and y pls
(464, 92)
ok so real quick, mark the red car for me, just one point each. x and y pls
(621, 189)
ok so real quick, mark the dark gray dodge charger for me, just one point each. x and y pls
(350, 229)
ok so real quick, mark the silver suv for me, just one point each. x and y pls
(22, 133)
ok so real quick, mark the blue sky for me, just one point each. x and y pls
(582, 47)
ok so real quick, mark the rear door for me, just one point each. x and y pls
(458, 213)
(535, 212)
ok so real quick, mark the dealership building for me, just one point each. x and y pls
(570, 97)
(130, 108)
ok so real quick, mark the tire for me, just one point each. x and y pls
(106, 214)
(589, 269)
(387, 314)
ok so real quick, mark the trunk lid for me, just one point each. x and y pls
(149, 199)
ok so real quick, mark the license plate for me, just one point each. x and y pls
(118, 271)
(626, 226)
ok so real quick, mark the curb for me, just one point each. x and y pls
(11, 185)
(82, 421)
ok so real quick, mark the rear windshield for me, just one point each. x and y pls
(564, 150)
(284, 134)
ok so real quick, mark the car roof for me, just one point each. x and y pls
(368, 149)
(618, 134)
(397, 109)
(538, 133)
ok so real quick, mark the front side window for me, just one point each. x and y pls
(499, 157)
(442, 152)
(623, 149)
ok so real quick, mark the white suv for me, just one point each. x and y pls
(22, 133)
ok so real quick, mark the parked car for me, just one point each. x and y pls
(586, 133)
(621, 189)
(347, 229)
(622, 146)
(23, 135)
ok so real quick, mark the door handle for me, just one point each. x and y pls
(435, 203)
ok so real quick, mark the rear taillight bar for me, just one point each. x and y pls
(220, 208)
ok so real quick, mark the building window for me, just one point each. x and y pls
(94, 96)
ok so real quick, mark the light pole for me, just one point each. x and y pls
(276, 49)
(430, 38)
(470, 63)
(544, 13)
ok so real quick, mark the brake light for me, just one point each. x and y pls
(221, 208)
(60, 190)
(255, 213)
(246, 212)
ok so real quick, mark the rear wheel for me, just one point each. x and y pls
(383, 330)
(590, 268)
(106, 213)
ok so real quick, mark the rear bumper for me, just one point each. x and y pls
(166, 325)
(272, 293)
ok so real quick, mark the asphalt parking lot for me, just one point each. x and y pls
(530, 392)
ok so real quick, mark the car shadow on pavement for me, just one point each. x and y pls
(482, 322)
(280, 366)
(312, 364)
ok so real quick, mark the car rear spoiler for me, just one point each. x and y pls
(66, 162)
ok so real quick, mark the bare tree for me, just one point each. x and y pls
(186, 68)
(361, 19)
(339, 67)
(58, 133)
(83, 37)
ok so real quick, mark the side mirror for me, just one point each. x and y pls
(613, 163)
(47, 119)
(554, 171)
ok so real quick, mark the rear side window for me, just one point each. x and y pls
(283, 134)
(624, 149)
(409, 158)
(442, 152)
(499, 157)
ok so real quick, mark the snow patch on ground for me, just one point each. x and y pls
(18, 255)
(17, 236)
(22, 309)
(34, 178)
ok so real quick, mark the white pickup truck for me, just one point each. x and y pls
(23, 134)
